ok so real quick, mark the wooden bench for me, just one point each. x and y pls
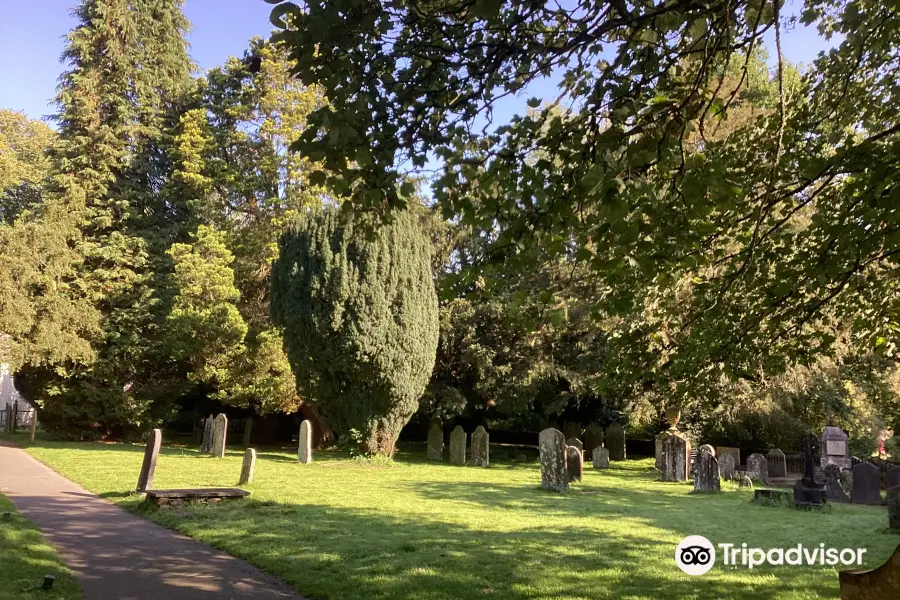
(177, 497)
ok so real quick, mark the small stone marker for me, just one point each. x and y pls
(574, 463)
(777, 463)
(248, 466)
(758, 467)
(554, 476)
(706, 448)
(706, 473)
(593, 438)
(219, 432)
(893, 505)
(145, 480)
(304, 445)
(866, 484)
(734, 452)
(481, 449)
(435, 442)
(676, 453)
(458, 446)
(600, 458)
(206, 444)
(726, 466)
(574, 441)
(615, 441)
(834, 492)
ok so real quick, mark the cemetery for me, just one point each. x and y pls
(465, 299)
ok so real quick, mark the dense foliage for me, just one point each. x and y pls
(360, 318)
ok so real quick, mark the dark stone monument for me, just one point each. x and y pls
(615, 441)
(866, 484)
(706, 473)
(777, 463)
(554, 476)
(435, 442)
(808, 493)
(145, 480)
(574, 441)
(248, 430)
(893, 504)
(834, 491)
(574, 463)
(893, 477)
(206, 444)
(593, 438)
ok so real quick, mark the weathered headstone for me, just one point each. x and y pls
(574, 463)
(247, 467)
(554, 476)
(808, 492)
(206, 444)
(707, 448)
(726, 466)
(835, 448)
(676, 461)
(833, 489)
(847, 479)
(615, 441)
(777, 463)
(734, 452)
(148, 467)
(574, 441)
(706, 473)
(593, 438)
(458, 446)
(758, 467)
(600, 458)
(435, 442)
(866, 484)
(248, 430)
(893, 477)
(481, 449)
(304, 443)
(220, 430)
(893, 505)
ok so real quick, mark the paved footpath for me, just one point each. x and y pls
(118, 556)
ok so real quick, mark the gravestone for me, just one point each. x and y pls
(480, 447)
(571, 429)
(893, 505)
(248, 466)
(726, 466)
(706, 473)
(435, 442)
(248, 430)
(707, 448)
(734, 452)
(847, 479)
(676, 461)
(304, 445)
(600, 458)
(777, 463)
(866, 484)
(835, 448)
(148, 467)
(881, 583)
(809, 493)
(206, 444)
(746, 483)
(219, 432)
(574, 441)
(893, 477)
(554, 476)
(757, 467)
(593, 438)
(574, 463)
(615, 441)
(833, 489)
(458, 446)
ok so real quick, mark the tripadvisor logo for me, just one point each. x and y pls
(695, 555)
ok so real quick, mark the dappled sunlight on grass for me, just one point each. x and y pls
(341, 528)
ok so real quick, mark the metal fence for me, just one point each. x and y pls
(13, 418)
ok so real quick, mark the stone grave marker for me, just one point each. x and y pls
(833, 489)
(615, 441)
(206, 444)
(304, 445)
(554, 476)
(734, 452)
(148, 467)
(726, 466)
(866, 484)
(574, 463)
(676, 452)
(458, 446)
(593, 438)
(481, 449)
(247, 467)
(435, 442)
(835, 448)
(707, 448)
(758, 467)
(574, 441)
(706, 473)
(777, 463)
(219, 432)
(600, 458)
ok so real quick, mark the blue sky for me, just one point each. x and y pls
(31, 41)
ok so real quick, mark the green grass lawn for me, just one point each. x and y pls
(25, 558)
(341, 529)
